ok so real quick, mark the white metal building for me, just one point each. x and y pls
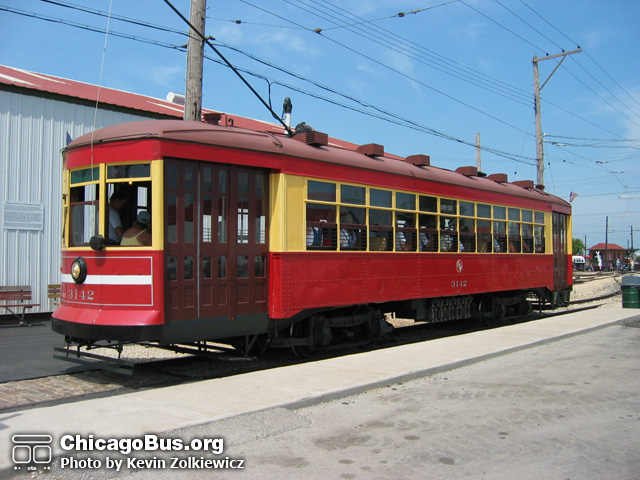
(37, 114)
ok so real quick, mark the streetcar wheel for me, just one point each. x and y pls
(303, 330)
(497, 313)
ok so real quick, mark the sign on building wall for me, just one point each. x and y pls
(23, 216)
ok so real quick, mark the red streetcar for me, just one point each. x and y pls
(290, 241)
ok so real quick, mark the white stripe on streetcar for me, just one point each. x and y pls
(111, 279)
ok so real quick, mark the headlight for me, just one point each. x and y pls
(79, 270)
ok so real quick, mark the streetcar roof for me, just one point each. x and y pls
(285, 149)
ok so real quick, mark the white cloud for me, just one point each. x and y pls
(166, 76)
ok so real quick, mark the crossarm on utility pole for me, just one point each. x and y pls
(536, 95)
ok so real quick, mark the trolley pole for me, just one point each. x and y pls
(195, 53)
(536, 91)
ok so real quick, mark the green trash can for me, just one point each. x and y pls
(631, 291)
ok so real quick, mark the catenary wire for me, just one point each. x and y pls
(419, 82)
(179, 32)
(406, 47)
(585, 52)
(223, 58)
(398, 120)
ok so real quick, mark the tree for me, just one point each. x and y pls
(578, 247)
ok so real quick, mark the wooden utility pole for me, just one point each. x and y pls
(536, 91)
(195, 52)
(606, 240)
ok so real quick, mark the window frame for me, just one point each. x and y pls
(488, 227)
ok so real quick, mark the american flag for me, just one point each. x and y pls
(572, 196)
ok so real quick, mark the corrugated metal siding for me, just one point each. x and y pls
(33, 130)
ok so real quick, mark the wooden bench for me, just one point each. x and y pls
(53, 293)
(16, 298)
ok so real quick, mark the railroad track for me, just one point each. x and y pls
(20, 395)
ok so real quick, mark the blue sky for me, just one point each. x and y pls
(437, 75)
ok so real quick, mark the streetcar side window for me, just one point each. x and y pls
(448, 234)
(513, 230)
(321, 218)
(514, 237)
(128, 194)
(380, 198)
(322, 191)
(467, 235)
(527, 238)
(321, 227)
(351, 217)
(499, 237)
(353, 228)
(352, 195)
(428, 232)
(380, 230)
(428, 204)
(485, 243)
(406, 232)
(84, 214)
(84, 206)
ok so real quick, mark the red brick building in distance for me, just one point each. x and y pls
(608, 253)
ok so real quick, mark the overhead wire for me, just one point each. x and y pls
(182, 33)
(88, 28)
(602, 98)
(324, 3)
(397, 15)
(429, 57)
(578, 63)
(395, 70)
(504, 28)
(383, 114)
(406, 47)
(584, 51)
(528, 24)
(223, 58)
(124, 19)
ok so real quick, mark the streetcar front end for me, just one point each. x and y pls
(112, 257)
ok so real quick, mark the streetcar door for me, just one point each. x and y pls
(217, 264)
(233, 248)
(181, 253)
(248, 253)
(559, 251)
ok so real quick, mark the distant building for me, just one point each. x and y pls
(603, 254)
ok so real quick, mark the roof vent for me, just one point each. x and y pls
(467, 171)
(524, 183)
(212, 118)
(371, 150)
(499, 177)
(419, 160)
(313, 138)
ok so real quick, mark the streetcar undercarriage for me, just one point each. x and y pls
(325, 330)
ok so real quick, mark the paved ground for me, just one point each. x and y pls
(565, 409)
(26, 352)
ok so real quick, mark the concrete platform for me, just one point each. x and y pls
(160, 410)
